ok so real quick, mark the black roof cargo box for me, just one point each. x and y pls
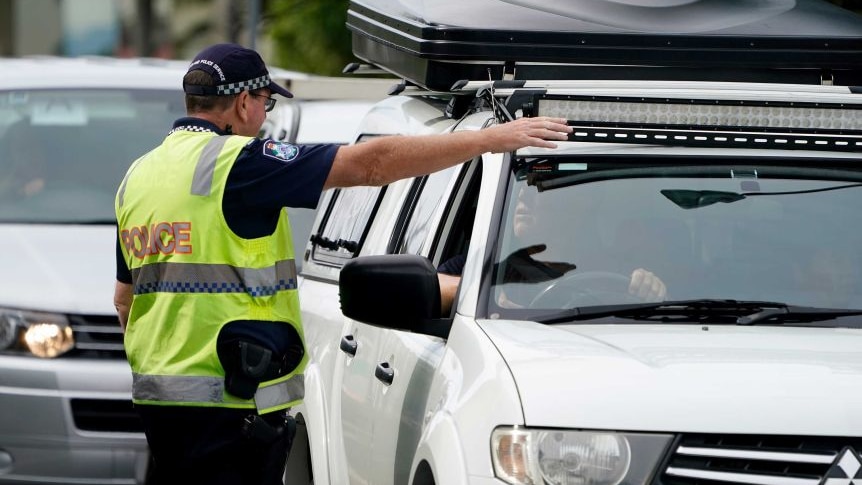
(436, 43)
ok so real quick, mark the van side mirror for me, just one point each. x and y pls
(398, 291)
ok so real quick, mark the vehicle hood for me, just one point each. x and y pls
(62, 268)
(688, 378)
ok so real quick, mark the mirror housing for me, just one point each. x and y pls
(398, 291)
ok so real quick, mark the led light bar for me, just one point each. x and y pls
(724, 115)
(781, 125)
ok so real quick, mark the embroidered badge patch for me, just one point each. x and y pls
(280, 151)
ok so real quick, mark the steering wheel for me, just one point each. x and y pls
(585, 289)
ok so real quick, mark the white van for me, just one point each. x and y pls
(724, 161)
(69, 128)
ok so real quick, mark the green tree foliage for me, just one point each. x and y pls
(310, 35)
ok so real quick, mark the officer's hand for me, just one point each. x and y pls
(524, 132)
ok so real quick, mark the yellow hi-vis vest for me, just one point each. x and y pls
(192, 275)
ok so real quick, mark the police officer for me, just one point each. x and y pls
(206, 281)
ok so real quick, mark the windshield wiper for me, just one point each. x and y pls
(797, 314)
(738, 312)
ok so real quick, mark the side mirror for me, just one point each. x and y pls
(398, 291)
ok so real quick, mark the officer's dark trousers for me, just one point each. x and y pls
(194, 445)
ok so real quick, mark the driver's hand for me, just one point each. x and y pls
(504, 301)
(647, 286)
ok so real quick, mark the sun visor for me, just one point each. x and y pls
(435, 44)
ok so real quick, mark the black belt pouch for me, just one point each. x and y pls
(252, 352)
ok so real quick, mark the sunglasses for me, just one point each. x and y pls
(268, 104)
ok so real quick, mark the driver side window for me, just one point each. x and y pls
(450, 251)
(458, 222)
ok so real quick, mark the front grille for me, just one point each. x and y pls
(761, 460)
(97, 336)
(106, 415)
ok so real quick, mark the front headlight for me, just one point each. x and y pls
(557, 457)
(44, 335)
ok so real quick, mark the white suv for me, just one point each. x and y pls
(69, 128)
(739, 197)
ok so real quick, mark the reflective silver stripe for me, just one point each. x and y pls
(203, 180)
(122, 195)
(122, 191)
(178, 388)
(200, 389)
(290, 390)
(214, 278)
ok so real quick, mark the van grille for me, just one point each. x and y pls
(762, 460)
(106, 415)
(97, 336)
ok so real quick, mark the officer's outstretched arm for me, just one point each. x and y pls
(383, 160)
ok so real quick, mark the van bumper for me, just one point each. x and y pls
(68, 421)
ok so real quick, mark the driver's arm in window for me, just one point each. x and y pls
(449, 276)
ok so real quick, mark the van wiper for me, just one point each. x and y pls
(91, 222)
(738, 312)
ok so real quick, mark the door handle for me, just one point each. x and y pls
(384, 373)
(348, 345)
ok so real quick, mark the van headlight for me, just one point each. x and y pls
(524, 456)
(41, 334)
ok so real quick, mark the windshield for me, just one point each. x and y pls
(579, 234)
(63, 153)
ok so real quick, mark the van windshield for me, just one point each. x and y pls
(63, 153)
(573, 235)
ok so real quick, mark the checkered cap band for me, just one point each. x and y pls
(250, 85)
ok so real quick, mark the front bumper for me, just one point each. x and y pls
(67, 421)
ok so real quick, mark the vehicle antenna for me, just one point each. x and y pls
(501, 114)
(493, 97)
